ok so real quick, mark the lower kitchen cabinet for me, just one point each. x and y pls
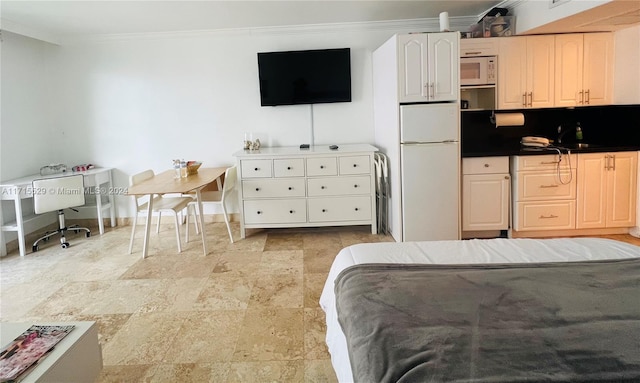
(290, 187)
(544, 193)
(485, 194)
(607, 190)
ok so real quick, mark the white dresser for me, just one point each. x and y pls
(292, 187)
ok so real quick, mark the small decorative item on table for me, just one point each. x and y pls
(192, 167)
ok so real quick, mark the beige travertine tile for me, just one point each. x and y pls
(200, 331)
(277, 290)
(225, 291)
(272, 371)
(319, 371)
(132, 373)
(282, 262)
(315, 330)
(284, 241)
(320, 260)
(313, 285)
(191, 373)
(271, 334)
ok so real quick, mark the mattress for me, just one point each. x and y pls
(456, 253)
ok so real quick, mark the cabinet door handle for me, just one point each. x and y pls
(581, 98)
(549, 162)
(432, 90)
(524, 99)
(613, 162)
(587, 97)
(606, 162)
(548, 186)
(550, 216)
(531, 99)
(472, 53)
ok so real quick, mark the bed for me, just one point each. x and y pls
(547, 270)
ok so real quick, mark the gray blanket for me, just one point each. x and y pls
(553, 322)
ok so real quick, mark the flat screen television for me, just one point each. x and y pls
(305, 77)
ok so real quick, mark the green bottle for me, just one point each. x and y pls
(578, 132)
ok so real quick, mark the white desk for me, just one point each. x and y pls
(98, 181)
(77, 358)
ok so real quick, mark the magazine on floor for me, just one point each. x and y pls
(27, 349)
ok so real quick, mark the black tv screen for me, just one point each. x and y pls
(305, 77)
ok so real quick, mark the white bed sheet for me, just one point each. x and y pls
(455, 252)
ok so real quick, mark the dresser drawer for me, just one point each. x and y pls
(543, 162)
(554, 215)
(292, 167)
(545, 185)
(355, 165)
(339, 186)
(324, 166)
(275, 211)
(256, 168)
(485, 165)
(357, 208)
(273, 188)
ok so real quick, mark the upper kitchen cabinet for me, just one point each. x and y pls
(427, 67)
(584, 69)
(526, 72)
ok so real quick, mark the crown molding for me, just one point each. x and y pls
(395, 26)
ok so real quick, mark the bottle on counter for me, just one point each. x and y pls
(176, 168)
(183, 169)
(578, 132)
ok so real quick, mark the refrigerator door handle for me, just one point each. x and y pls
(449, 141)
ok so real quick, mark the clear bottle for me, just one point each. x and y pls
(176, 168)
(183, 169)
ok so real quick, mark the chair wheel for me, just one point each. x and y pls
(34, 248)
(65, 245)
(88, 234)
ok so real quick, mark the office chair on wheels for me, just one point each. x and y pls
(56, 194)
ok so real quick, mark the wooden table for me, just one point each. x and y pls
(165, 183)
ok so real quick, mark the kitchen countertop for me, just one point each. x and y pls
(515, 149)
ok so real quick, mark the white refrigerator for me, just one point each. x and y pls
(430, 171)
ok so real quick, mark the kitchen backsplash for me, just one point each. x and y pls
(610, 125)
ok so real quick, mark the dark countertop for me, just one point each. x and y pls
(516, 149)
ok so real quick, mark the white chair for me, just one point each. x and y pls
(56, 194)
(217, 198)
(161, 204)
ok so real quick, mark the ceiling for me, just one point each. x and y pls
(57, 21)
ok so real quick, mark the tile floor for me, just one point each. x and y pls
(247, 312)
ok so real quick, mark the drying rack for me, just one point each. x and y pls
(382, 192)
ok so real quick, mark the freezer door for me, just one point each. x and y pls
(429, 123)
(430, 192)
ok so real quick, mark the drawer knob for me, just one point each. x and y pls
(322, 187)
(290, 211)
(257, 189)
(256, 169)
(486, 165)
(259, 212)
(357, 209)
(324, 210)
(321, 166)
(355, 186)
(290, 188)
(288, 167)
(355, 165)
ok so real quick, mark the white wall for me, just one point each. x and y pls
(138, 103)
(535, 13)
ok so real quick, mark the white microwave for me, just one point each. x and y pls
(478, 70)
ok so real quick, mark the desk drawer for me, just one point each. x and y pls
(545, 185)
(543, 162)
(355, 165)
(325, 166)
(339, 186)
(554, 215)
(340, 209)
(256, 168)
(273, 188)
(275, 211)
